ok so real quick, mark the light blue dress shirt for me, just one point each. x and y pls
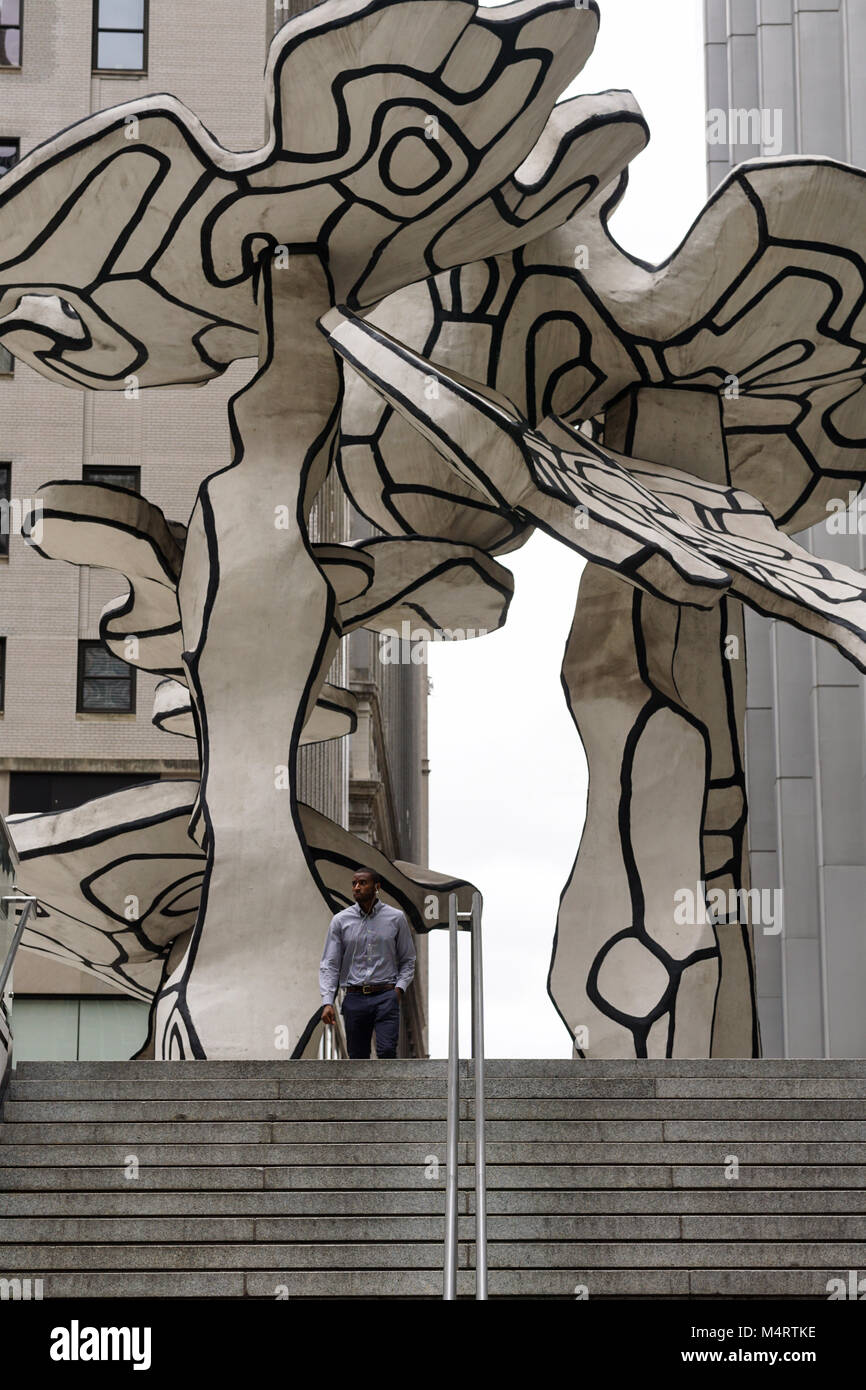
(367, 949)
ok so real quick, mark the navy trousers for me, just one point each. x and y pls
(362, 1013)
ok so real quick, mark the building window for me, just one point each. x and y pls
(7, 362)
(37, 792)
(10, 33)
(106, 685)
(120, 35)
(5, 509)
(2, 674)
(70, 1028)
(10, 153)
(128, 478)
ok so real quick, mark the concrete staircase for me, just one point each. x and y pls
(316, 1179)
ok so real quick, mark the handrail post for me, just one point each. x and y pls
(6, 969)
(450, 1273)
(480, 1144)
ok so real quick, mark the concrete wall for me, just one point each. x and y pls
(806, 722)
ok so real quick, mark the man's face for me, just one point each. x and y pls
(363, 889)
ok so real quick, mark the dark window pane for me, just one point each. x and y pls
(2, 673)
(60, 791)
(108, 695)
(10, 11)
(10, 48)
(105, 683)
(129, 478)
(121, 14)
(5, 518)
(7, 361)
(9, 150)
(99, 661)
(124, 52)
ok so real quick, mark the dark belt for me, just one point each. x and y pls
(368, 989)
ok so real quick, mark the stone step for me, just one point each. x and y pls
(835, 1257)
(560, 1284)
(683, 1110)
(74, 1203)
(334, 1112)
(497, 1068)
(337, 1153)
(653, 1133)
(195, 1084)
(581, 1178)
(331, 1228)
(317, 1202)
(372, 1255)
(265, 1133)
(177, 1231)
(256, 1071)
(339, 1110)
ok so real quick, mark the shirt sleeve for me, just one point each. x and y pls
(405, 947)
(329, 966)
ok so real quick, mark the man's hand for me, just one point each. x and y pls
(398, 990)
(328, 1015)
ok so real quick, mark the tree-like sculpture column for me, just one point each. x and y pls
(658, 694)
(259, 631)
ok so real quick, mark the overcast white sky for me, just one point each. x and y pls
(508, 780)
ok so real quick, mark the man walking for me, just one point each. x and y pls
(370, 952)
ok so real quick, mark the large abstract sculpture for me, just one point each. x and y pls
(424, 212)
(739, 362)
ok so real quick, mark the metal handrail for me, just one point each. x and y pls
(480, 1142)
(473, 920)
(6, 1038)
(30, 903)
(332, 1044)
(450, 1273)
(333, 1047)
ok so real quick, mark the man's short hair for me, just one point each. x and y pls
(371, 873)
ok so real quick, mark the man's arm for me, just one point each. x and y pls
(329, 966)
(405, 948)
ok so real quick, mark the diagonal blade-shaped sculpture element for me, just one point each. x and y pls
(603, 504)
(478, 431)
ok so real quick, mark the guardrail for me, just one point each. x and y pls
(473, 919)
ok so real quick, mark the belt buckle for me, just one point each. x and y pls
(367, 989)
